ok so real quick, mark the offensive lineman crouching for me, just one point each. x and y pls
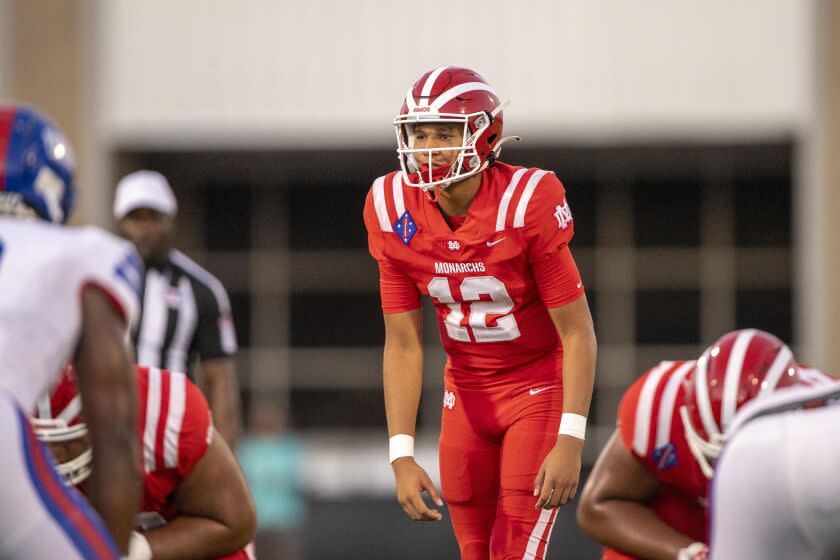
(195, 501)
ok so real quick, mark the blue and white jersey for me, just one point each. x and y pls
(43, 270)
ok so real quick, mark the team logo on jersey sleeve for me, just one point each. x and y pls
(405, 227)
(563, 214)
(665, 456)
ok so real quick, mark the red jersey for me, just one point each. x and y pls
(174, 426)
(651, 428)
(493, 278)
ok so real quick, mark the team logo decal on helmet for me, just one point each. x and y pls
(741, 366)
(36, 166)
(457, 96)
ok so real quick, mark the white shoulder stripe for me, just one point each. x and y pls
(379, 204)
(519, 217)
(152, 414)
(430, 83)
(666, 405)
(451, 94)
(644, 409)
(503, 205)
(732, 381)
(174, 418)
(397, 186)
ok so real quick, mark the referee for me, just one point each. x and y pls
(185, 309)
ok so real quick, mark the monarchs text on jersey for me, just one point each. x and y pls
(483, 278)
(43, 270)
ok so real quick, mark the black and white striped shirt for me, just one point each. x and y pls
(185, 312)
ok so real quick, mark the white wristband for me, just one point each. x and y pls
(573, 425)
(401, 445)
(694, 551)
(138, 548)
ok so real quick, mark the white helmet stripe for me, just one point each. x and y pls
(430, 83)
(73, 408)
(734, 367)
(409, 100)
(701, 389)
(776, 370)
(44, 407)
(451, 94)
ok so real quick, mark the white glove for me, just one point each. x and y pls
(138, 548)
(694, 551)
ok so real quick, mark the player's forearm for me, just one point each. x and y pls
(633, 528)
(579, 351)
(114, 485)
(188, 538)
(403, 383)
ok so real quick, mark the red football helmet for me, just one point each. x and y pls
(450, 95)
(58, 420)
(740, 366)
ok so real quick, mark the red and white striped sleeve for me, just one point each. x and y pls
(384, 204)
(648, 408)
(177, 427)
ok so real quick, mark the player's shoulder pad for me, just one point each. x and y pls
(647, 409)
(528, 198)
(385, 202)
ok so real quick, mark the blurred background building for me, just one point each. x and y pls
(698, 143)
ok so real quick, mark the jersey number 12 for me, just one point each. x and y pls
(472, 288)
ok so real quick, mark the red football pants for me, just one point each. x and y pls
(492, 444)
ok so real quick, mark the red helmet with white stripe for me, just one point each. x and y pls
(58, 419)
(741, 366)
(457, 96)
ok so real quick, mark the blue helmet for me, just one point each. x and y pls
(36, 165)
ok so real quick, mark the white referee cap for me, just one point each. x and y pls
(144, 189)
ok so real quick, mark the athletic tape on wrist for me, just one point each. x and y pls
(573, 425)
(401, 445)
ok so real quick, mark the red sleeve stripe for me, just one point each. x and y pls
(174, 419)
(644, 410)
(397, 188)
(522, 207)
(668, 402)
(152, 415)
(501, 217)
(379, 204)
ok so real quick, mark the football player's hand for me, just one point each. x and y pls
(557, 481)
(412, 480)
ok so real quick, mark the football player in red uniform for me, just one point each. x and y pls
(489, 244)
(646, 496)
(195, 502)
